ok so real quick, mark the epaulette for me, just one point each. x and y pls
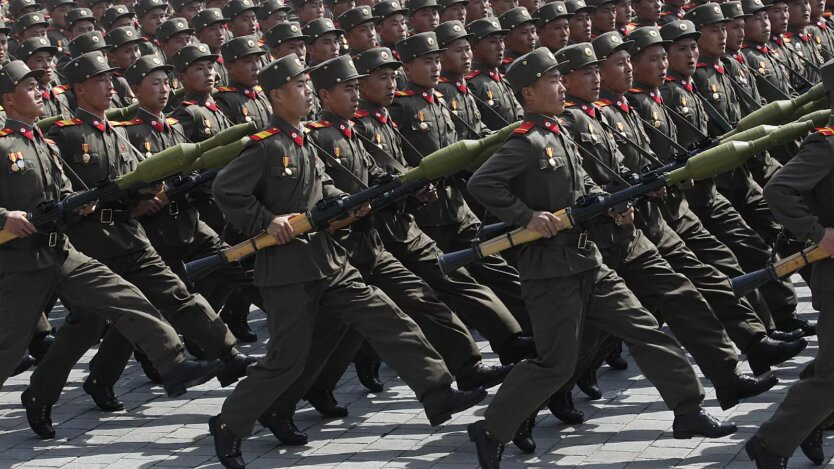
(224, 89)
(171, 121)
(570, 104)
(128, 123)
(603, 102)
(264, 134)
(636, 90)
(188, 103)
(827, 131)
(6, 131)
(361, 113)
(69, 122)
(257, 88)
(524, 127)
(404, 93)
(319, 125)
(473, 74)
(443, 80)
(60, 89)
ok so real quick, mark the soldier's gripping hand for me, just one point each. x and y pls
(545, 224)
(147, 207)
(362, 211)
(281, 229)
(827, 241)
(18, 225)
(624, 218)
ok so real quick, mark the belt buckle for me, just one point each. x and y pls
(53, 239)
(173, 208)
(582, 243)
(106, 216)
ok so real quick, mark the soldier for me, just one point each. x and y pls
(33, 174)
(172, 35)
(455, 64)
(90, 42)
(285, 39)
(521, 35)
(58, 32)
(308, 10)
(151, 14)
(501, 6)
(423, 15)
(477, 9)
(258, 191)
(272, 13)
(38, 54)
(559, 286)
(553, 25)
(18, 8)
(4, 43)
(821, 30)
(624, 14)
(210, 27)
(772, 79)
(579, 21)
(80, 21)
(117, 16)
(646, 13)
(391, 24)
(672, 10)
(358, 25)
(124, 47)
(799, 196)
(451, 10)
(243, 101)
(782, 47)
(489, 88)
(338, 7)
(242, 18)
(29, 25)
(805, 48)
(604, 17)
(186, 9)
(323, 41)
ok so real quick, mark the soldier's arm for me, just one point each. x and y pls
(784, 192)
(490, 183)
(234, 191)
(186, 119)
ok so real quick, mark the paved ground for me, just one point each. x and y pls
(629, 427)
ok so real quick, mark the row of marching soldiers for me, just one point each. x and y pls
(602, 95)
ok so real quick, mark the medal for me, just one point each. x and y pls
(421, 116)
(338, 152)
(13, 159)
(21, 164)
(620, 127)
(207, 124)
(550, 159)
(287, 170)
(714, 88)
(683, 100)
(148, 149)
(378, 139)
(454, 104)
(85, 147)
(246, 116)
(489, 96)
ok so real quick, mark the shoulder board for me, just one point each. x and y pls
(827, 131)
(438, 94)
(188, 103)
(319, 125)
(443, 80)
(570, 104)
(264, 134)
(6, 131)
(403, 93)
(361, 113)
(171, 121)
(122, 124)
(69, 122)
(787, 39)
(224, 89)
(524, 127)
(473, 74)
(60, 89)
(258, 88)
(507, 60)
(603, 102)
(701, 65)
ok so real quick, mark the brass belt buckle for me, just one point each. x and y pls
(583, 240)
(106, 216)
(173, 208)
(53, 239)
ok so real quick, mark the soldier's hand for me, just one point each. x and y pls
(427, 195)
(281, 229)
(18, 225)
(147, 207)
(658, 194)
(827, 241)
(624, 218)
(362, 211)
(545, 224)
(87, 209)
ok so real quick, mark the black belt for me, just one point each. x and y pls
(108, 216)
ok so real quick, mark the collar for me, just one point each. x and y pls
(250, 93)
(800, 33)
(92, 119)
(710, 61)
(459, 82)
(737, 56)
(685, 82)
(426, 93)
(297, 135)
(652, 92)
(547, 123)
(619, 101)
(379, 113)
(345, 126)
(493, 72)
(24, 129)
(202, 100)
(586, 107)
(778, 39)
(156, 123)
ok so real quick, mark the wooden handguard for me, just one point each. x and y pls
(300, 225)
(519, 236)
(792, 263)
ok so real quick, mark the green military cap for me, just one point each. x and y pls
(646, 37)
(240, 47)
(355, 16)
(87, 42)
(372, 59)
(79, 14)
(609, 43)
(525, 70)
(206, 18)
(120, 36)
(752, 7)
(733, 10)
(269, 7)
(680, 29)
(280, 72)
(143, 7)
(28, 47)
(334, 2)
(16, 6)
(334, 71)
(827, 72)
(183, 58)
(387, 8)
(514, 18)
(599, 3)
(447, 3)
(484, 27)
(450, 32)
(178, 5)
(299, 3)
(4, 29)
(86, 66)
(414, 5)
(113, 14)
(53, 4)
(318, 27)
(13, 73)
(708, 13)
(417, 45)
(29, 20)
(551, 11)
(145, 65)
(236, 7)
(283, 32)
(577, 6)
(576, 56)
(171, 27)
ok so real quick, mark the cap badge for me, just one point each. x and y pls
(653, 33)
(250, 43)
(587, 52)
(456, 28)
(100, 59)
(615, 39)
(129, 33)
(384, 55)
(560, 8)
(684, 27)
(430, 41)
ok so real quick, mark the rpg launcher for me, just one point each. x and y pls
(744, 284)
(782, 111)
(718, 159)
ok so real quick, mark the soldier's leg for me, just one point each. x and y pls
(339, 361)
(753, 209)
(111, 359)
(764, 166)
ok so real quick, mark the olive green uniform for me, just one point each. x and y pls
(495, 98)
(805, 53)
(778, 45)
(241, 104)
(823, 35)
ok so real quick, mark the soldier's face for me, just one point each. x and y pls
(310, 11)
(379, 86)
(392, 29)
(81, 27)
(799, 13)
(604, 18)
(648, 10)
(651, 66)
(34, 31)
(683, 56)
(817, 8)
(735, 34)
(198, 77)
(42, 60)
(477, 9)
(425, 20)
(489, 50)
(244, 24)
(522, 38)
(338, 8)
(454, 12)
(424, 70)
(212, 36)
(584, 83)
(554, 35)
(546, 96)
(293, 46)
(363, 37)
(624, 12)
(98, 9)
(152, 20)
(326, 47)
(580, 27)
(4, 47)
(245, 70)
(190, 11)
(457, 58)
(124, 55)
(275, 18)
(713, 40)
(757, 27)
(152, 91)
(342, 99)
(25, 102)
(501, 6)
(176, 42)
(59, 13)
(294, 100)
(95, 92)
(616, 72)
(778, 15)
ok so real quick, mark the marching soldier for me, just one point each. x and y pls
(243, 101)
(553, 25)
(209, 27)
(477, 9)
(337, 7)
(604, 17)
(28, 25)
(821, 30)
(58, 32)
(117, 16)
(455, 64)
(38, 54)
(673, 10)
(173, 34)
(323, 41)
(308, 10)
(358, 25)
(521, 35)
(423, 15)
(580, 20)
(259, 191)
(285, 39)
(242, 18)
(453, 10)
(391, 24)
(4, 43)
(782, 47)
(151, 14)
(805, 49)
(123, 49)
(271, 13)
(186, 9)
(646, 13)
(92, 42)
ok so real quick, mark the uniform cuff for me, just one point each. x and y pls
(817, 233)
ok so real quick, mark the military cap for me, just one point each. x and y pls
(387, 8)
(236, 7)
(576, 6)
(120, 36)
(143, 7)
(576, 56)
(183, 58)
(733, 10)
(29, 20)
(93, 2)
(240, 47)
(680, 29)
(206, 18)
(514, 18)
(607, 44)
(171, 27)
(53, 4)
(334, 71)
(599, 3)
(827, 72)
(113, 14)
(525, 70)
(178, 5)
(299, 3)
(86, 66)
(79, 14)
(13, 73)
(752, 7)
(355, 16)
(16, 6)
(708, 13)
(484, 27)
(4, 29)
(280, 72)
(450, 32)
(372, 59)
(318, 27)
(269, 7)
(334, 2)
(34, 44)
(417, 45)
(646, 37)
(414, 5)
(447, 3)
(551, 11)
(87, 42)
(145, 65)
(283, 32)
